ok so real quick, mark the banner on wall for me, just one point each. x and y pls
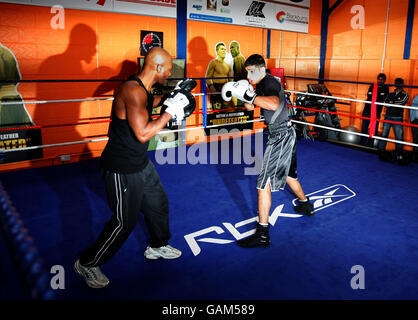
(261, 14)
(14, 116)
(301, 3)
(224, 120)
(159, 8)
(101, 5)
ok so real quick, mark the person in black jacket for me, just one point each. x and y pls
(382, 93)
(398, 97)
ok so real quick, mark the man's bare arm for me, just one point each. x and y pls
(210, 73)
(137, 115)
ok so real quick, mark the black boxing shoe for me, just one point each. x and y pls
(305, 207)
(260, 238)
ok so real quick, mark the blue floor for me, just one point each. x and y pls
(367, 216)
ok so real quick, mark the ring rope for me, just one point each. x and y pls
(52, 145)
(208, 93)
(196, 78)
(8, 103)
(354, 116)
(350, 99)
(54, 101)
(31, 268)
(346, 81)
(208, 127)
(355, 133)
(213, 126)
(105, 139)
(55, 125)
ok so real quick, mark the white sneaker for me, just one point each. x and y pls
(93, 275)
(165, 252)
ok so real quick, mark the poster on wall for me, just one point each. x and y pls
(17, 139)
(166, 8)
(96, 5)
(260, 14)
(158, 8)
(14, 117)
(167, 138)
(226, 66)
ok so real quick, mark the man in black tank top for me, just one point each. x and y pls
(279, 161)
(132, 183)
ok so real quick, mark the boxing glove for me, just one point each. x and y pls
(186, 84)
(242, 90)
(180, 104)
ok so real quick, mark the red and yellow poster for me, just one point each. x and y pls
(14, 117)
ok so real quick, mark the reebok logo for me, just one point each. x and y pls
(329, 196)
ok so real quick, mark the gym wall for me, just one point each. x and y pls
(102, 45)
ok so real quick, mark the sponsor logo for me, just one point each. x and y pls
(329, 196)
(197, 7)
(280, 16)
(294, 18)
(321, 199)
(256, 9)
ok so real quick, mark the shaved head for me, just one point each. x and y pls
(158, 63)
(156, 56)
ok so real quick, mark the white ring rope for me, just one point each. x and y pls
(211, 93)
(353, 100)
(68, 100)
(55, 101)
(355, 133)
(52, 145)
(105, 139)
(208, 127)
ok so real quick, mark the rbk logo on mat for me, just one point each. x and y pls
(321, 199)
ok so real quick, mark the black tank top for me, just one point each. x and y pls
(123, 152)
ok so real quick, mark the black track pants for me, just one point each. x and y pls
(127, 195)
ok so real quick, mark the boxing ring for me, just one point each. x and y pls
(365, 216)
